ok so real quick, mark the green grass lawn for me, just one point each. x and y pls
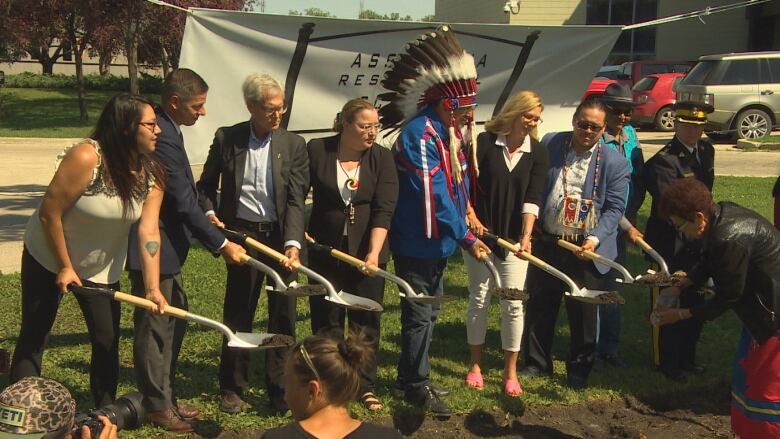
(29, 112)
(67, 357)
(770, 139)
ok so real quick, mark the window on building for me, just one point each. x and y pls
(632, 45)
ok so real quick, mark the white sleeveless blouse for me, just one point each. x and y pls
(96, 232)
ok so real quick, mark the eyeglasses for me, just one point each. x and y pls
(308, 361)
(368, 127)
(528, 118)
(585, 126)
(149, 125)
(275, 110)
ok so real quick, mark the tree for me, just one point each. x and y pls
(368, 14)
(312, 12)
(40, 27)
(428, 18)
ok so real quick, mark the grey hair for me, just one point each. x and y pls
(257, 86)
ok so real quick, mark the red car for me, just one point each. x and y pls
(653, 100)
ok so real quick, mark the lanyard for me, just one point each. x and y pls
(596, 171)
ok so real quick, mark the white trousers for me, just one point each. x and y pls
(513, 273)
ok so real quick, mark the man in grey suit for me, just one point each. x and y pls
(158, 338)
(262, 172)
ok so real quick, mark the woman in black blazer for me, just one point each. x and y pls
(355, 188)
(512, 165)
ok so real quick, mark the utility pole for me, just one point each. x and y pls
(362, 8)
(262, 5)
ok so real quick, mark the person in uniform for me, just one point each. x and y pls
(687, 155)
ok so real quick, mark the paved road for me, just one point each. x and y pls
(28, 166)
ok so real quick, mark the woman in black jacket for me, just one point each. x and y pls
(741, 253)
(355, 190)
(511, 166)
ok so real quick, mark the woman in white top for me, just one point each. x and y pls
(79, 234)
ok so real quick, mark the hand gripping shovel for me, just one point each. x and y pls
(279, 286)
(652, 279)
(244, 340)
(497, 289)
(581, 294)
(407, 293)
(338, 298)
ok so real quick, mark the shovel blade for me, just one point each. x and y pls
(250, 340)
(597, 297)
(352, 301)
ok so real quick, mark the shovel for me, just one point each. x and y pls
(244, 340)
(652, 279)
(280, 287)
(340, 298)
(407, 293)
(498, 289)
(577, 293)
(628, 278)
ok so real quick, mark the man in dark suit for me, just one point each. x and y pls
(687, 155)
(585, 179)
(157, 338)
(262, 172)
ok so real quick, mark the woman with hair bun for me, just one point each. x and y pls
(321, 376)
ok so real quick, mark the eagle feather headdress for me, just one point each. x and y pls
(434, 67)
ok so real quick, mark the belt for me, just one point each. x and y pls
(262, 227)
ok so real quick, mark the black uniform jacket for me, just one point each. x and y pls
(672, 163)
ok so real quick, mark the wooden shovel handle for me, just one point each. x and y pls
(280, 257)
(574, 247)
(351, 260)
(515, 248)
(148, 304)
(642, 243)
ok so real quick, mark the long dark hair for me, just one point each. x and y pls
(116, 131)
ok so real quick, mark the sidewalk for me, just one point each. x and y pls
(28, 166)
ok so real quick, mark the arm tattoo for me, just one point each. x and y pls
(152, 247)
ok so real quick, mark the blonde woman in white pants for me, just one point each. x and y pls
(512, 166)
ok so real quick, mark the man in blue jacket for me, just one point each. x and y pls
(585, 197)
(430, 218)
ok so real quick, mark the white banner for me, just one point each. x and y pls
(323, 62)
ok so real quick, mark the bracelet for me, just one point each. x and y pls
(680, 314)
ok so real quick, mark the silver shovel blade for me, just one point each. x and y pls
(597, 297)
(297, 290)
(251, 340)
(352, 301)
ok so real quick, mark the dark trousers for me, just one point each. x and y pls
(611, 314)
(329, 318)
(676, 343)
(426, 276)
(40, 301)
(156, 343)
(241, 295)
(545, 292)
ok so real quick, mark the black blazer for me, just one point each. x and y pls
(224, 169)
(500, 194)
(180, 215)
(671, 163)
(374, 200)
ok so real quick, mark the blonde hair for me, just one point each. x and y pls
(348, 112)
(257, 87)
(519, 104)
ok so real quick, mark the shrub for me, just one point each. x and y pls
(148, 84)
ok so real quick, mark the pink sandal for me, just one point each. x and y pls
(474, 380)
(512, 388)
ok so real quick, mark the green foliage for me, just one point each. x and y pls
(312, 12)
(67, 357)
(148, 84)
(368, 14)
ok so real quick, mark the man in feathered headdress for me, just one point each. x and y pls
(433, 90)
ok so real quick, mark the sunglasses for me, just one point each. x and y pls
(307, 359)
(587, 126)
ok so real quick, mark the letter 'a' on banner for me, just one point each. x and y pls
(323, 62)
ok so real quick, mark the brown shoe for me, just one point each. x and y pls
(232, 403)
(169, 420)
(185, 412)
